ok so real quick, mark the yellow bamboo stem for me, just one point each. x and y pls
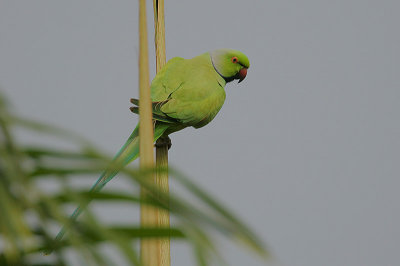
(148, 217)
(162, 146)
(163, 215)
(159, 31)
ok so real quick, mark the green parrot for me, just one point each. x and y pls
(185, 92)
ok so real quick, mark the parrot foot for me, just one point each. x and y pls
(163, 141)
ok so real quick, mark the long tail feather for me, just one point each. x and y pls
(128, 153)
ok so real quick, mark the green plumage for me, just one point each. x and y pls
(186, 92)
(192, 90)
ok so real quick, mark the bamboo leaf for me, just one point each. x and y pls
(108, 196)
(38, 152)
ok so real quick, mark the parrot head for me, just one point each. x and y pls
(230, 64)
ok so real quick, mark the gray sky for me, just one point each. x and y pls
(306, 150)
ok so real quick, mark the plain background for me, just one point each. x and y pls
(306, 150)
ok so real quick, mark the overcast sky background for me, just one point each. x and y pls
(306, 150)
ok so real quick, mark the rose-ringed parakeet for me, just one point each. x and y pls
(185, 92)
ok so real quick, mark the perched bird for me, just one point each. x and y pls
(185, 92)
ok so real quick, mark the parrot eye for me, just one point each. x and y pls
(234, 59)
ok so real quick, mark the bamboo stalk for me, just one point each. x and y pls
(148, 216)
(163, 215)
(162, 145)
(159, 31)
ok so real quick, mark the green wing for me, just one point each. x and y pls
(168, 80)
(189, 91)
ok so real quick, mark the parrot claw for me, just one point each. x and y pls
(163, 141)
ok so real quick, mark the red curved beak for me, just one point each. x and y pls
(242, 74)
